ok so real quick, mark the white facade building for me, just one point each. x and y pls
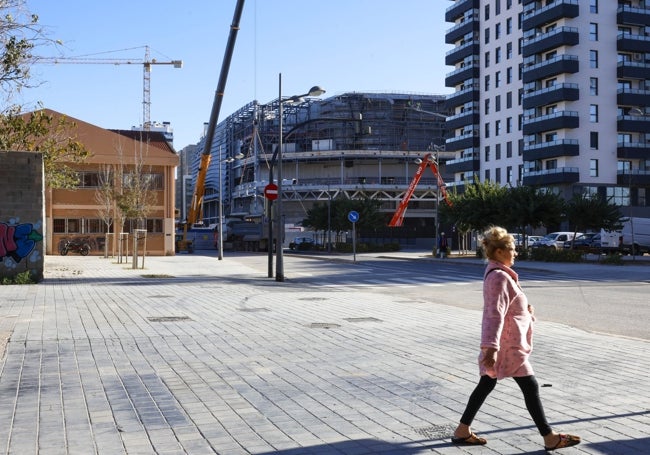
(554, 94)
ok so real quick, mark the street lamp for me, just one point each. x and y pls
(230, 159)
(279, 261)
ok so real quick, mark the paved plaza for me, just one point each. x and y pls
(192, 355)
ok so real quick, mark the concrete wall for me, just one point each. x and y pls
(21, 214)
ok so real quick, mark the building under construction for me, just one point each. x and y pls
(354, 145)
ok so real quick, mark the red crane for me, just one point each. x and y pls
(428, 161)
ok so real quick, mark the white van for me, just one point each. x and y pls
(636, 231)
(555, 240)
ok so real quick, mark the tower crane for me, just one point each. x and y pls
(146, 63)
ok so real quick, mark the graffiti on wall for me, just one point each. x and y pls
(18, 241)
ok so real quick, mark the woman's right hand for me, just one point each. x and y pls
(489, 357)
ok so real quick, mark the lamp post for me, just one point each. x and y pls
(230, 159)
(279, 261)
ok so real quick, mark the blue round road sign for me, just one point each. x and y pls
(353, 216)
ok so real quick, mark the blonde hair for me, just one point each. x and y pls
(495, 237)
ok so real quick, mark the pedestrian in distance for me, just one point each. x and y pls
(442, 245)
(506, 343)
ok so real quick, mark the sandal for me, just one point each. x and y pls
(566, 440)
(471, 440)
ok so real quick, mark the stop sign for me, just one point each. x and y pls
(271, 191)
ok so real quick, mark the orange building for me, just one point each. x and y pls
(123, 155)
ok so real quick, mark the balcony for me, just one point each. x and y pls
(633, 97)
(552, 67)
(561, 36)
(549, 122)
(466, 164)
(629, 15)
(551, 149)
(462, 97)
(635, 69)
(468, 25)
(634, 177)
(466, 118)
(562, 175)
(633, 150)
(459, 8)
(463, 141)
(460, 53)
(469, 71)
(550, 95)
(633, 123)
(550, 13)
(629, 42)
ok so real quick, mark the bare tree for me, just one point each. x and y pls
(106, 199)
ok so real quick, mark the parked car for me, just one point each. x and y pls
(582, 242)
(533, 238)
(302, 243)
(555, 240)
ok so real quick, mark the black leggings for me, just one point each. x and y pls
(528, 386)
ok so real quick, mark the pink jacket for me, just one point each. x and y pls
(507, 323)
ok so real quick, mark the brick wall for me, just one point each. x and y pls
(22, 233)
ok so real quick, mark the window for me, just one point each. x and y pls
(619, 195)
(509, 174)
(487, 130)
(487, 106)
(487, 82)
(508, 100)
(593, 86)
(508, 51)
(487, 153)
(593, 168)
(487, 175)
(497, 30)
(487, 12)
(497, 176)
(593, 6)
(551, 164)
(593, 113)
(497, 152)
(497, 128)
(508, 4)
(508, 26)
(497, 79)
(593, 140)
(88, 180)
(550, 137)
(593, 59)
(593, 31)
(509, 125)
(497, 55)
(486, 35)
(497, 103)
(487, 59)
(509, 149)
(497, 6)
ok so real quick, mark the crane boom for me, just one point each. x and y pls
(428, 161)
(199, 187)
(146, 63)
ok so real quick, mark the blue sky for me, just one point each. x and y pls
(341, 45)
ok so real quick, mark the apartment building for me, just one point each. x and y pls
(553, 94)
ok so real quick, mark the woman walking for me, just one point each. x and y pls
(506, 343)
